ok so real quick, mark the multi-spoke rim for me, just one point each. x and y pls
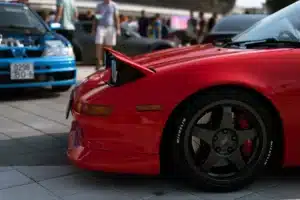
(224, 138)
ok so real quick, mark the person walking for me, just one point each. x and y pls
(106, 26)
(157, 27)
(192, 24)
(212, 21)
(143, 24)
(88, 16)
(66, 15)
(202, 25)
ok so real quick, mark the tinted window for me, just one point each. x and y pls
(236, 23)
(22, 16)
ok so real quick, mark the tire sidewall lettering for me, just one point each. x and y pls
(269, 153)
(180, 130)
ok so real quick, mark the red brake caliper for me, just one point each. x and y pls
(247, 147)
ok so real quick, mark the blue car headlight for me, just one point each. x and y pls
(58, 48)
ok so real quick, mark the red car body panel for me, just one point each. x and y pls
(128, 141)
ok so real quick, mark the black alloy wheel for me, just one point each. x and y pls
(224, 139)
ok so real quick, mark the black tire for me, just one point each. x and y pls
(185, 120)
(61, 88)
(77, 52)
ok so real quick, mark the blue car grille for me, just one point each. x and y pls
(7, 53)
(42, 77)
(6, 69)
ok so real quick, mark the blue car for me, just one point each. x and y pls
(31, 53)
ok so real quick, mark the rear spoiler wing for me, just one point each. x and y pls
(109, 53)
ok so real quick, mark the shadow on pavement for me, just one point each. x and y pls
(34, 151)
(26, 94)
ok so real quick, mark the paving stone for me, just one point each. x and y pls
(43, 142)
(73, 184)
(54, 157)
(44, 112)
(54, 106)
(12, 178)
(4, 137)
(222, 196)
(63, 137)
(5, 169)
(286, 190)
(15, 129)
(254, 197)
(84, 72)
(263, 184)
(33, 121)
(175, 196)
(27, 192)
(142, 187)
(12, 148)
(40, 173)
(99, 195)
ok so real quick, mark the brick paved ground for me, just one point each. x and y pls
(33, 135)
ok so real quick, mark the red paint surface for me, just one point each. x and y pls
(129, 141)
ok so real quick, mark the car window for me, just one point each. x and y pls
(235, 23)
(282, 25)
(20, 16)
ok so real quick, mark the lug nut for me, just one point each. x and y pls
(225, 131)
(233, 138)
(218, 149)
(229, 149)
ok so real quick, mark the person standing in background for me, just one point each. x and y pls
(106, 26)
(164, 29)
(192, 24)
(51, 16)
(66, 15)
(123, 19)
(212, 21)
(202, 24)
(45, 16)
(157, 27)
(89, 16)
(132, 23)
(143, 24)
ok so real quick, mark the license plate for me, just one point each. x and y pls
(69, 104)
(21, 71)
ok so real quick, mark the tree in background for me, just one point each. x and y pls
(275, 5)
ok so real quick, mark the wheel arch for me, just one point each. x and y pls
(169, 129)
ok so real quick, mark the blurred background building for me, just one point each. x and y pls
(164, 7)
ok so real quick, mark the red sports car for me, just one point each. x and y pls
(217, 115)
